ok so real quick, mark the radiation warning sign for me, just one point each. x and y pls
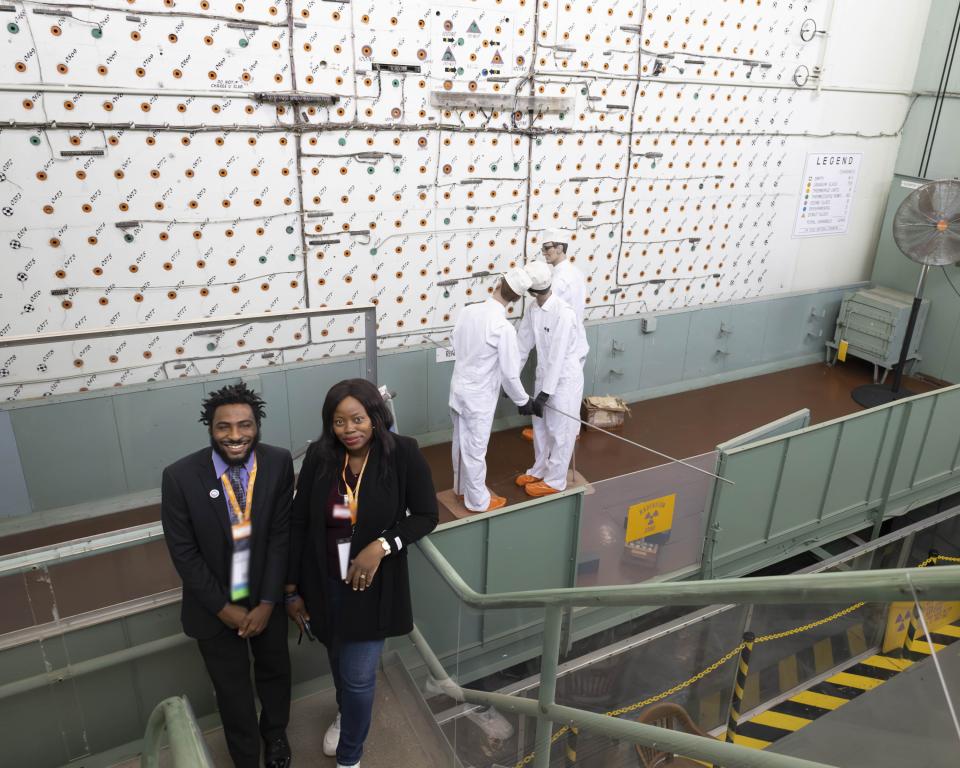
(937, 614)
(650, 517)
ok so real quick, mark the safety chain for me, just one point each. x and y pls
(720, 662)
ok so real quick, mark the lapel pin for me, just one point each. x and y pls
(214, 494)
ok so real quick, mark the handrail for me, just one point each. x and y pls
(940, 583)
(887, 585)
(697, 747)
(187, 746)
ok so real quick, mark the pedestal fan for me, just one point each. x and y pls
(926, 228)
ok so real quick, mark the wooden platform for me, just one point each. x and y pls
(449, 500)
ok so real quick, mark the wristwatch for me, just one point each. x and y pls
(386, 546)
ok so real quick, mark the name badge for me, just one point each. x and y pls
(241, 531)
(239, 572)
(343, 552)
(341, 511)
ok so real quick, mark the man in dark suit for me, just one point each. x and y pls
(226, 520)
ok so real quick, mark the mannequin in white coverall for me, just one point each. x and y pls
(552, 327)
(485, 344)
(568, 282)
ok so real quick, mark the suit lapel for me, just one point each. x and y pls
(218, 504)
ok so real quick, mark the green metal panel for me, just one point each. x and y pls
(439, 614)
(275, 428)
(156, 428)
(44, 746)
(70, 452)
(590, 365)
(437, 394)
(705, 342)
(512, 564)
(746, 331)
(787, 325)
(619, 358)
(856, 457)
(306, 389)
(742, 511)
(895, 417)
(806, 473)
(406, 374)
(15, 500)
(939, 451)
(913, 440)
(664, 349)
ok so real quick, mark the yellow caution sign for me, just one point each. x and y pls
(842, 351)
(650, 517)
(937, 615)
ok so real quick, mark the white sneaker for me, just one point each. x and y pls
(492, 723)
(332, 738)
(355, 765)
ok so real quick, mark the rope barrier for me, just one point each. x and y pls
(563, 730)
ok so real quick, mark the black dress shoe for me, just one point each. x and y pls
(277, 754)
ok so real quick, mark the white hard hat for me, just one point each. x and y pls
(518, 280)
(554, 236)
(541, 275)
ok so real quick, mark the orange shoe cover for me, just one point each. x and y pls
(496, 502)
(539, 488)
(522, 480)
(527, 434)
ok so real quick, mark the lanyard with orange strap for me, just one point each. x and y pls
(240, 528)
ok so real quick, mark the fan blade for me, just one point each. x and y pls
(926, 226)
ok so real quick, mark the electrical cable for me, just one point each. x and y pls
(946, 275)
(941, 90)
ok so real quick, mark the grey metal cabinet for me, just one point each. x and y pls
(873, 322)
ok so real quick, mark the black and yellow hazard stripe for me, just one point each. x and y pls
(802, 708)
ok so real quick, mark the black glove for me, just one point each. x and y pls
(538, 404)
(527, 408)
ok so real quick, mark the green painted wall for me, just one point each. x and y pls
(940, 347)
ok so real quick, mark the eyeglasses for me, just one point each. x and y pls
(548, 246)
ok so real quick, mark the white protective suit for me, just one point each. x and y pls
(562, 348)
(485, 344)
(570, 285)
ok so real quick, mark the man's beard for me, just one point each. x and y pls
(230, 461)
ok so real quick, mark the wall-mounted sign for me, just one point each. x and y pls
(826, 198)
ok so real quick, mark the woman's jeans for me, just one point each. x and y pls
(353, 664)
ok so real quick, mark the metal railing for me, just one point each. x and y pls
(174, 716)
(369, 312)
(912, 584)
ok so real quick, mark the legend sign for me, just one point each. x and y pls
(829, 181)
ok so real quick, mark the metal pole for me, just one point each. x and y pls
(548, 684)
(736, 700)
(370, 343)
(911, 324)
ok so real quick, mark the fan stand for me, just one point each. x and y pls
(872, 395)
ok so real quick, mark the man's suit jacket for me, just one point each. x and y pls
(198, 534)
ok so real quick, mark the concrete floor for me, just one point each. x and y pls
(904, 722)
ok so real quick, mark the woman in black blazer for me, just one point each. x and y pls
(364, 495)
